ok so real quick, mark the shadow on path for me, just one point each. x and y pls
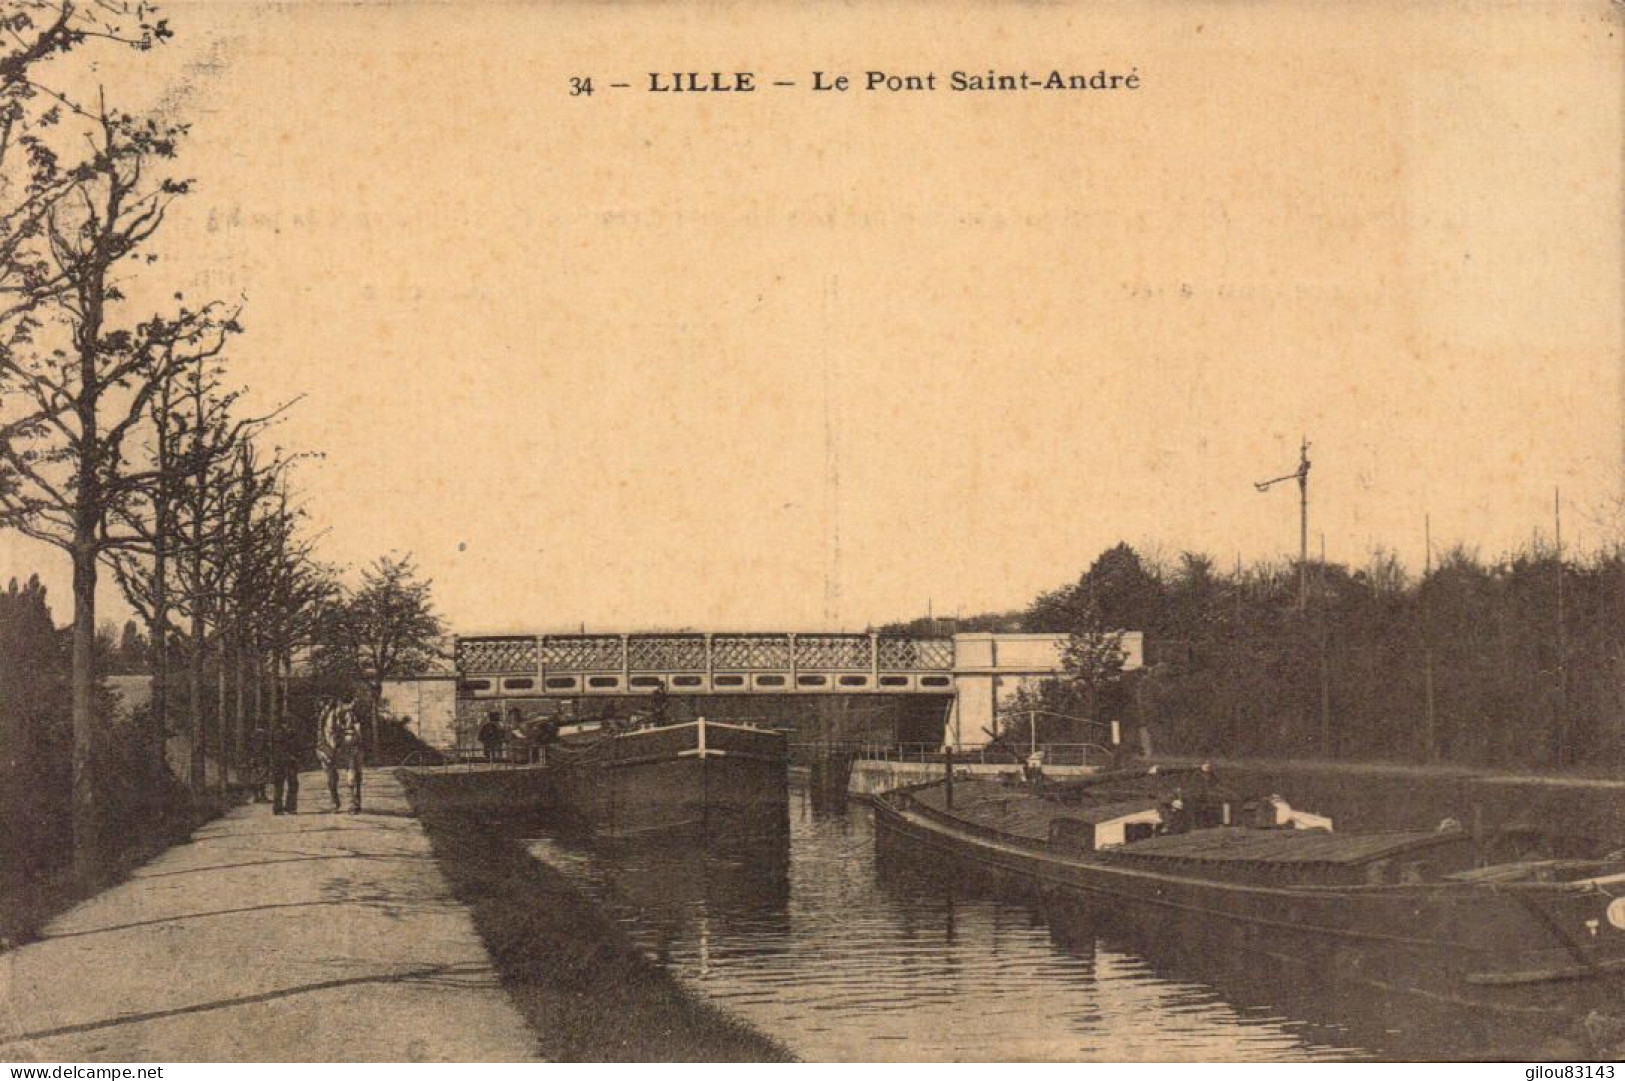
(181, 916)
(347, 855)
(418, 975)
(348, 825)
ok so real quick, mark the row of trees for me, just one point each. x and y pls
(125, 443)
(359, 637)
(121, 442)
(1516, 662)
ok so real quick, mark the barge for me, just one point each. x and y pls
(1174, 860)
(699, 776)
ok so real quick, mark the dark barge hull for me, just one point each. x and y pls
(1533, 957)
(699, 777)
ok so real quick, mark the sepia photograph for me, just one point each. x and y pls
(552, 531)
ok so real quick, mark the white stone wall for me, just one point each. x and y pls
(1030, 653)
(432, 705)
(974, 707)
(990, 668)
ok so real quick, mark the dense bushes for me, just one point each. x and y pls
(1235, 668)
(34, 732)
(36, 778)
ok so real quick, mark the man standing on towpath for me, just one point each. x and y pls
(284, 754)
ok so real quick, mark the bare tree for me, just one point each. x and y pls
(298, 592)
(66, 465)
(144, 565)
(202, 514)
(34, 178)
(259, 539)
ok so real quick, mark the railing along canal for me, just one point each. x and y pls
(1055, 754)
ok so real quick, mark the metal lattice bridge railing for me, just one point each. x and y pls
(561, 663)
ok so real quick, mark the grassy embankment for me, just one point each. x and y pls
(587, 992)
(32, 901)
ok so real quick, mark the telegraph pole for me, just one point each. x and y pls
(1563, 748)
(1301, 475)
(1327, 748)
(1430, 743)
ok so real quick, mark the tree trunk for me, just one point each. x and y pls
(101, 242)
(257, 685)
(87, 520)
(199, 778)
(222, 742)
(158, 653)
(158, 627)
(200, 589)
(284, 676)
(240, 728)
(262, 717)
(86, 825)
(376, 689)
(273, 699)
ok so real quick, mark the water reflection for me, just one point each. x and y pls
(686, 902)
(1362, 1020)
(811, 943)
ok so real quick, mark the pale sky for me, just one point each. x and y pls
(799, 360)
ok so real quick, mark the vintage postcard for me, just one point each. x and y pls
(864, 532)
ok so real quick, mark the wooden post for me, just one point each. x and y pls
(1478, 833)
(1564, 749)
(1303, 526)
(1326, 745)
(948, 776)
(1430, 731)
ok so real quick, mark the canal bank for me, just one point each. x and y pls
(261, 939)
(581, 984)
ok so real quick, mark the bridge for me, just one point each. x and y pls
(969, 674)
(574, 665)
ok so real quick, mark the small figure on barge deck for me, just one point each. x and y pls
(491, 736)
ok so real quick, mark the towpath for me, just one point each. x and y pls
(312, 937)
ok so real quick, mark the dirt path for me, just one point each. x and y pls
(314, 937)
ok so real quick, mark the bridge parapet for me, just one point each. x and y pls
(574, 652)
(749, 652)
(564, 665)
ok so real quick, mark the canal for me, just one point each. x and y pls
(843, 960)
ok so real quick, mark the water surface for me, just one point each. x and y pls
(843, 960)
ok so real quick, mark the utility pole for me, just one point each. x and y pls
(1238, 593)
(1301, 475)
(1563, 748)
(1430, 741)
(1236, 634)
(1328, 749)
